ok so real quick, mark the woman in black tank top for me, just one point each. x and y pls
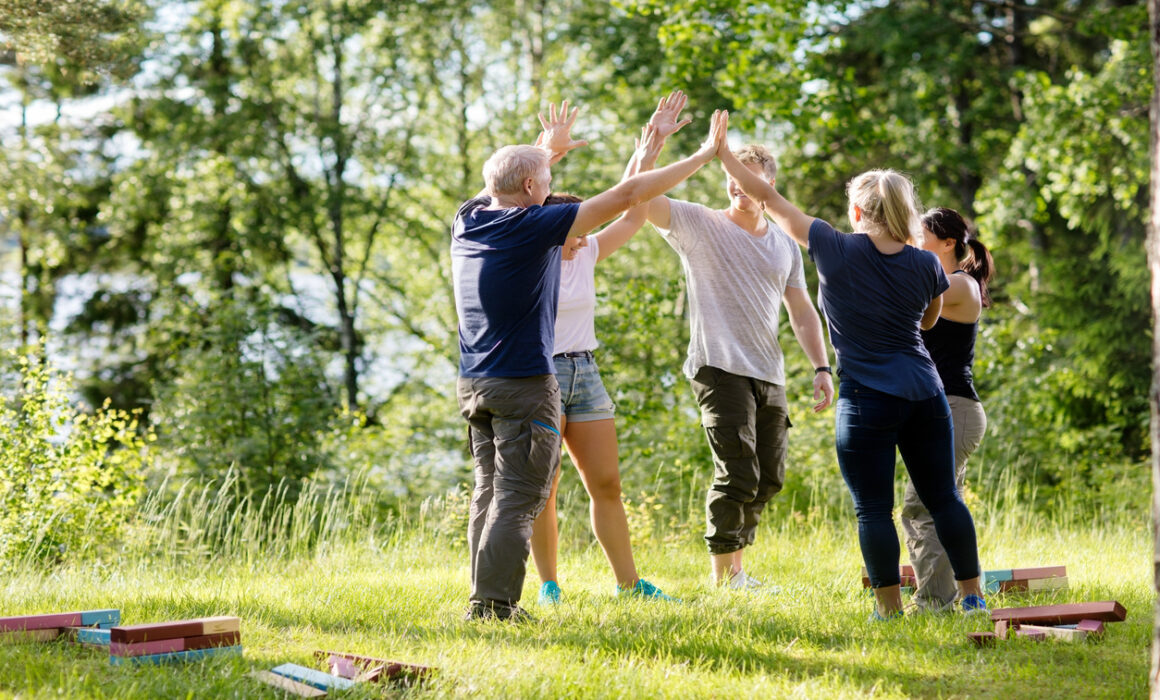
(951, 344)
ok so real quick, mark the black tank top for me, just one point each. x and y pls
(952, 347)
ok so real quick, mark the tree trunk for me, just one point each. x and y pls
(1154, 394)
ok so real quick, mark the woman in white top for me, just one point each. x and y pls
(587, 422)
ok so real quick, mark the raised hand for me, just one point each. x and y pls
(557, 134)
(667, 112)
(718, 132)
(650, 143)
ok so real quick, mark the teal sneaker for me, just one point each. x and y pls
(644, 589)
(875, 617)
(974, 605)
(549, 593)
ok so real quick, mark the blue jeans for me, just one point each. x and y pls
(870, 424)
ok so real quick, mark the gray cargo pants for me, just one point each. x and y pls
(746, 421)
(514, 426)
(936, 581)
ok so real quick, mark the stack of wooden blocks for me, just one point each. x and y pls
(905, 576)
(89, 627)
(1040, 578)
(345, 671)
(181, 640)
(1071, 622)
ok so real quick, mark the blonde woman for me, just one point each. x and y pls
(877, 290)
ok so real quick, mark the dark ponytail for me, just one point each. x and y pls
(973, 256)
(979, 265)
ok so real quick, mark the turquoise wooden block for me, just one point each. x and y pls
(98, 617)
(998, 575)
(93, 635)
(176, 656)
(312, 678)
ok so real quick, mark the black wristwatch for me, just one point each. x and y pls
(826, 369)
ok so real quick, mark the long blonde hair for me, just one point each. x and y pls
(888, 204)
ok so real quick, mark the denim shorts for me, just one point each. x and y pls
(582, 393)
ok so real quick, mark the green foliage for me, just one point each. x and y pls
(84, 37)
(70, 481)
(247, 396)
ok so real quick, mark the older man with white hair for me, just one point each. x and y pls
(505, 253)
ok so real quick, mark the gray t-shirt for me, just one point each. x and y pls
(736, 281)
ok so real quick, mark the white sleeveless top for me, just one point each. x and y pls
(576, 314)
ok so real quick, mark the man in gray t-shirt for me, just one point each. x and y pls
(740, 269)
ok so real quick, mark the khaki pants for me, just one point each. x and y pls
(746, 422)
(936, 582)
(514, 426)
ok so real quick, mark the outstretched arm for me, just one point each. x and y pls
(645, 186)
(644, 158)
(788, 217)
(667, 120)
(807, 328)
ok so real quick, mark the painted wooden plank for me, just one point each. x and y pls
(166, 646)
(311, 677)
(1047, 584)
(1091, 626)
(40, 622)
(177, 656)
(998, 575)
(290, 686)
(28, 636)
(1064, 633)
(173, 630)
(344, 668)
(1033, 635)
(1010, 586)
(991, 586)
(108, 625)
(1107, 611)
(1039, 572)
(983, 639)
(1001, 629)
(394, 671)
(100, 617)
(88, 635)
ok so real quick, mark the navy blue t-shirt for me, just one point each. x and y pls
(873, 304)
(505, 264)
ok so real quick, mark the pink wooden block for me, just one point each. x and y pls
(344, 668)
(40, 622)
(1034, 635)
(1090, 626)
(161, 646)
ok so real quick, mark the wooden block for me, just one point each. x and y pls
(88, 635)
(1095, 627)
(290, 686)
(1039, 572)
(28, 636)
(173, 630)
(343, 668)
(1001, 629)
(983, 639)
(90, 618)
(1008, 586)
(1064, 633)
(1107, 611)
(1033, 635)
(382, 669)
(998, 575)
(40, 622)
(990, 586)
(866, 582)
(176, 657)
(1047, 584)
(906, 570)
(167, 646)
(908, 581)
(317, 679)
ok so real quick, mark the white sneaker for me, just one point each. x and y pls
(742, 581)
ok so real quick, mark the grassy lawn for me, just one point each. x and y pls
(403, 598)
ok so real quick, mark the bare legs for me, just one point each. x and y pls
(726, 566)
(595, 451)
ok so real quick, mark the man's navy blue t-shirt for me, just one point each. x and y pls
(873, 303)
(505, 264)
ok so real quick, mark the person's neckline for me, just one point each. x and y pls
(870, 240)
(765, 231)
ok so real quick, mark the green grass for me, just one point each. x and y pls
(399, 592)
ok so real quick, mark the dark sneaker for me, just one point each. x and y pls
(507, 613)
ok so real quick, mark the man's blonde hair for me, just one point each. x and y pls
(506, 170)
(756, 153)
